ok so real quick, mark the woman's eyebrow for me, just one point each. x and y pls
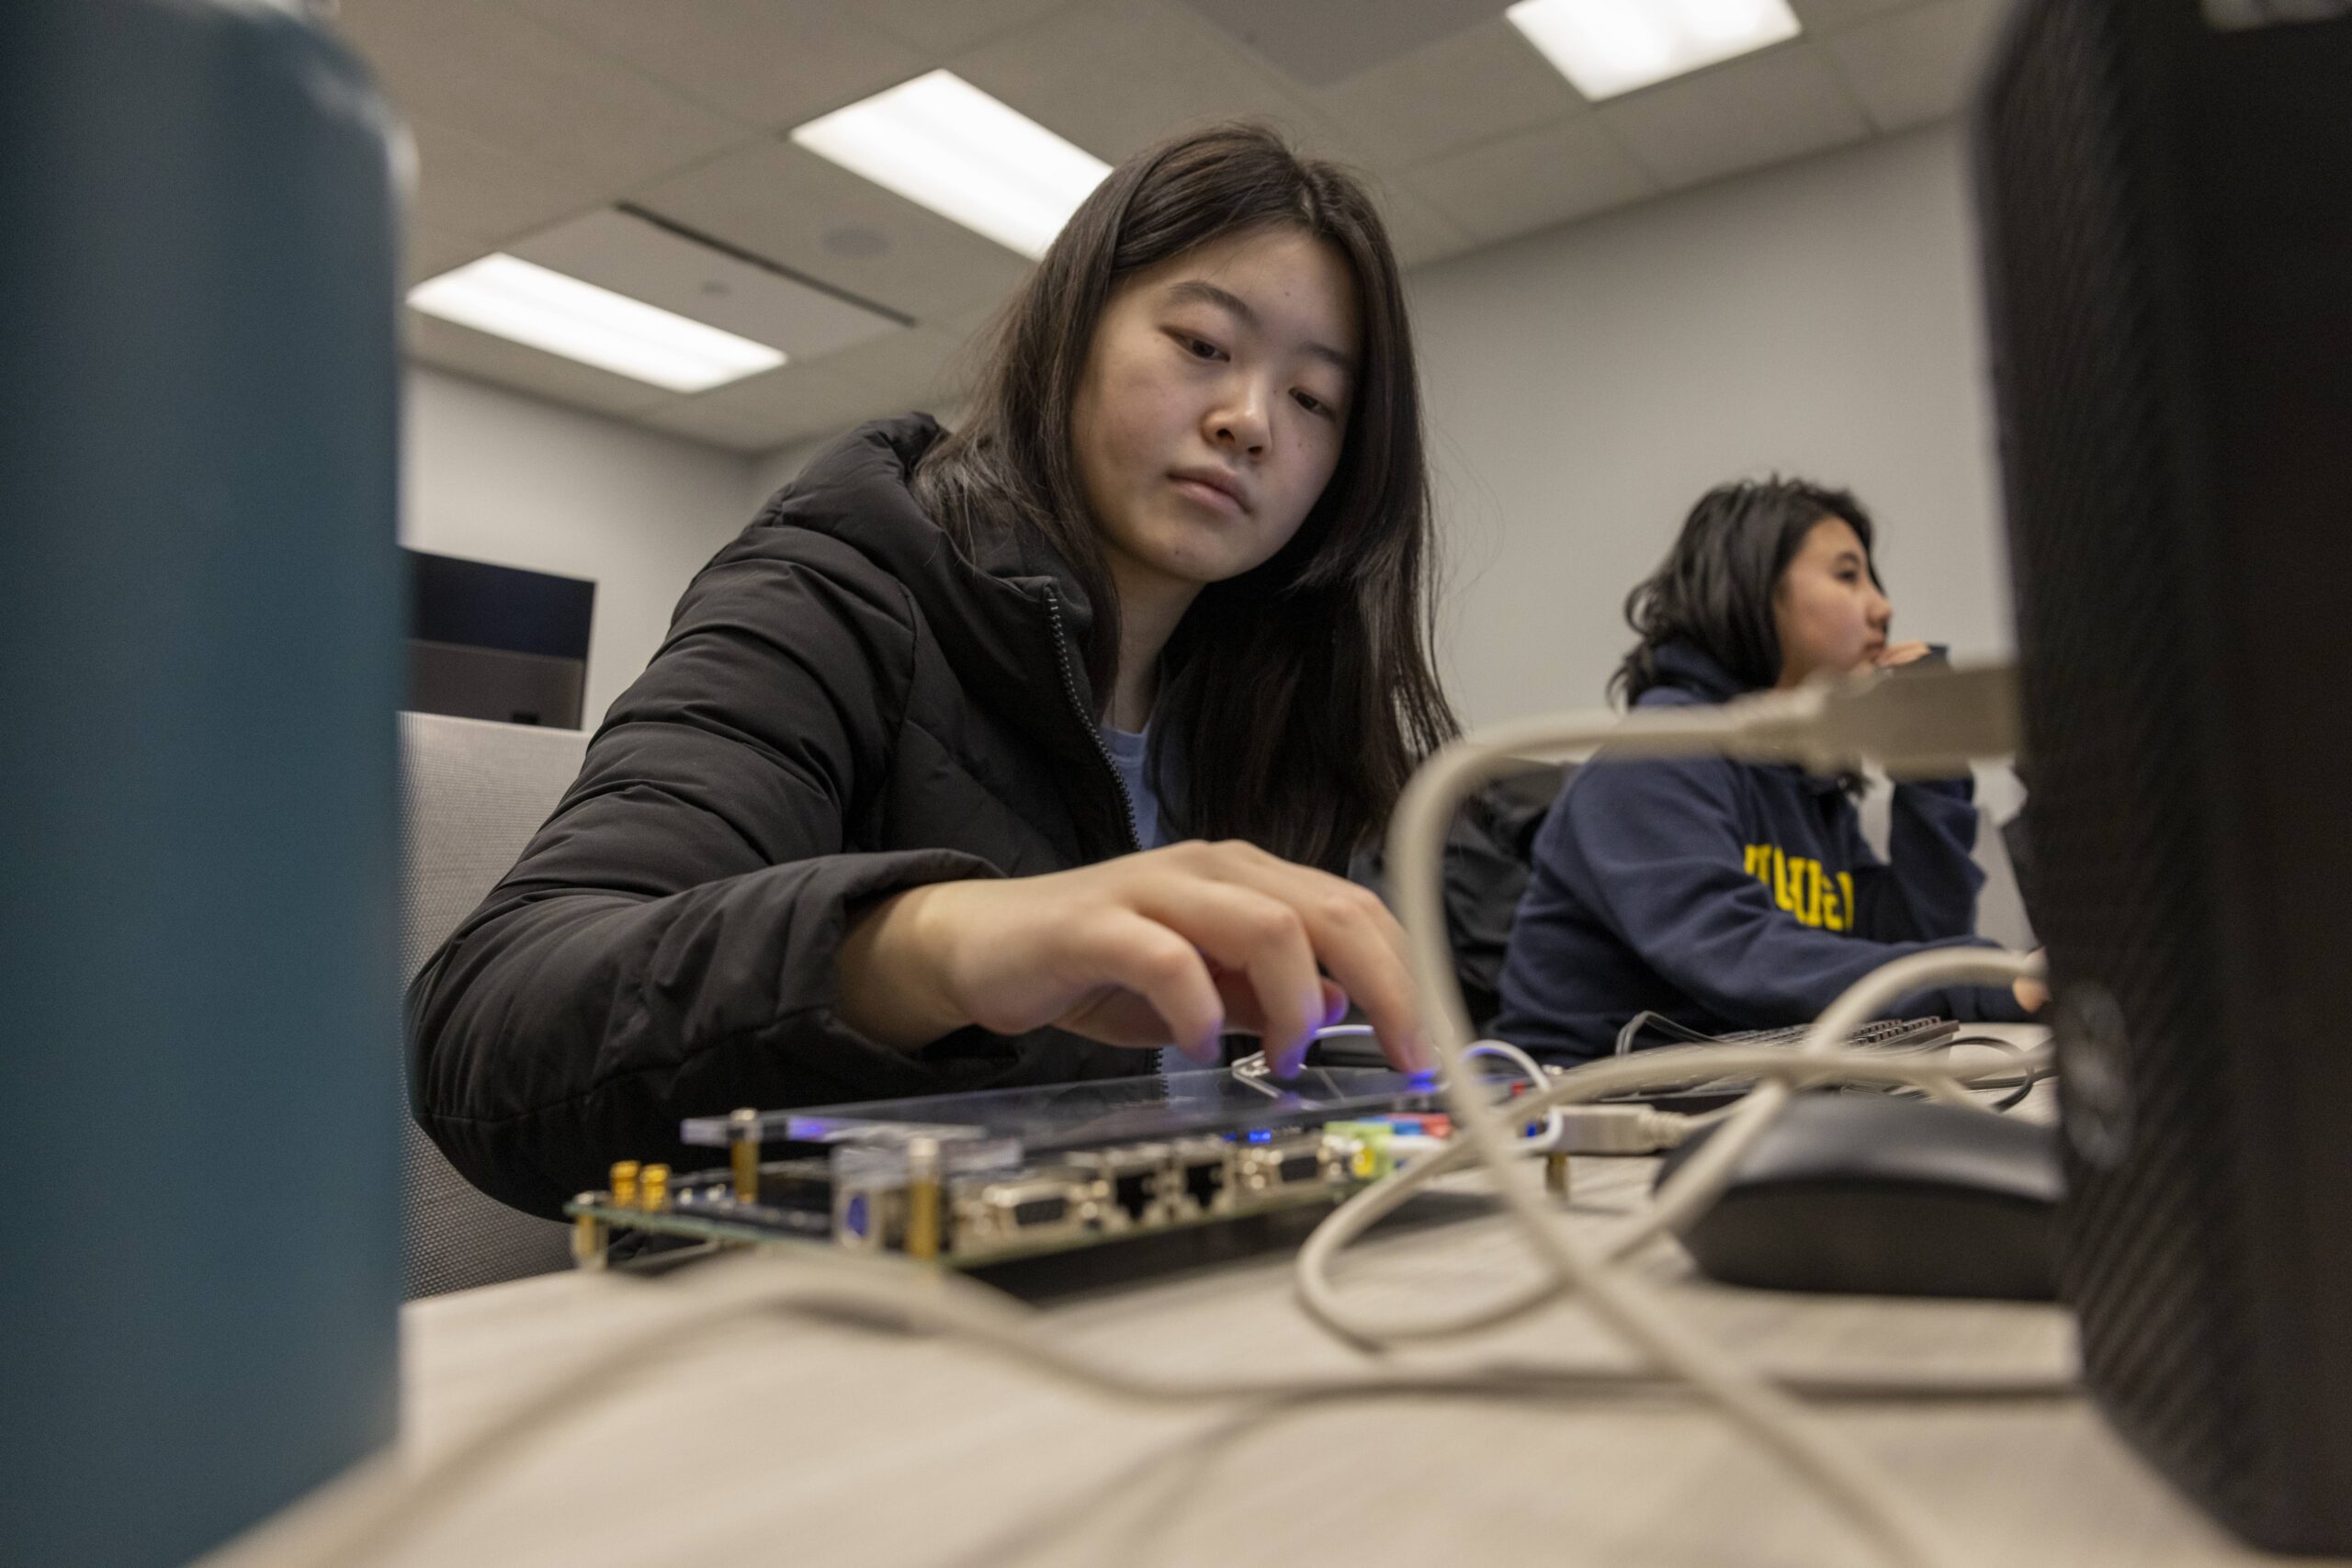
(1197, 290)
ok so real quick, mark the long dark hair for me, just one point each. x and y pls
(1714, 589)
(1298, 696)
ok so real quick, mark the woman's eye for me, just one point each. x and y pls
(1199, 348)
(1312, 403)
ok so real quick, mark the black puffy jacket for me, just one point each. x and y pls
(845, 705)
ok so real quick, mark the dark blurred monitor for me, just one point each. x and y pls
(2166, 194)
(497, 642)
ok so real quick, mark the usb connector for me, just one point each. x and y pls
(1615, 1130)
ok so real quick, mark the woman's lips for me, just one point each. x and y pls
(1207, 494)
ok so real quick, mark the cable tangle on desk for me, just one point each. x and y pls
(365, 1515)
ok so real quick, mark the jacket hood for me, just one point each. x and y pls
(989, 607)
(1688, 678)
(1682, 668)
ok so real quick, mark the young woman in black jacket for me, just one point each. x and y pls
(894, 809)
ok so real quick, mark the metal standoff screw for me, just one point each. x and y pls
(653, 1188)
(588, 1235)
(624, 1179)
(922, 1199)
(743, 1152)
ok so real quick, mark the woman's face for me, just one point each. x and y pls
(1827, 607)
(1212, 405)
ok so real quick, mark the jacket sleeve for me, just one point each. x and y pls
(1928, 885)
(1661, 862)
(665, 945)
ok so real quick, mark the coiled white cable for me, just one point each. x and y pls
(1635, 1313)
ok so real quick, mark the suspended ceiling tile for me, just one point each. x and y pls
(921, 368)
(1461, 91)
(973, 319)
(1418, 232)
(767, 63)
(763, 412)
(942, 27)
(1783, 103)
(1534, 179)
(448, 346)
(1320, 42)
(628, 256)
(505, 80)
(1116, 76)
(779, 201)
(431, 251)
(1919, 66)
(467, 187)
(1821, 18)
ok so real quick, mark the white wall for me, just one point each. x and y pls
(1588, 384)
(777, 468)
(493, 476)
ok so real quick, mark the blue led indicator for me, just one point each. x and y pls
(853, 1215)
(1261, 1136)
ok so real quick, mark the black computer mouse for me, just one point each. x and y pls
(1876, 1195)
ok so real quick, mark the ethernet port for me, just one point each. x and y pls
(1132, 1192)
(1204, 1180)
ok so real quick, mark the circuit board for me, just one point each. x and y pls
(979, 1179)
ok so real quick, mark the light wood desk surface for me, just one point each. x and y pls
(794, 1442)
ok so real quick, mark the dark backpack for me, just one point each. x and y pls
(1487, 854)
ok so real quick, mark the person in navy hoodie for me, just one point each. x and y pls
(1728, 895)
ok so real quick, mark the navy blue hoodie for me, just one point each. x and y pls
(1729, 894)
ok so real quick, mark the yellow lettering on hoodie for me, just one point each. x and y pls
(1810, 892)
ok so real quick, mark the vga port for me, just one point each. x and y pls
(1021, 1210)
(1286, 1163)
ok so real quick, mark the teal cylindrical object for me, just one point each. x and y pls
(200, 618)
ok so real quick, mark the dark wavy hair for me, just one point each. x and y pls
(1714, 589)
(1299, 695)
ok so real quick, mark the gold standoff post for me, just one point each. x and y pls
(653, 1188)
(588, 1236)
(1556, 1175)
(623, 1180)
(922, 1199)
(743, 1149)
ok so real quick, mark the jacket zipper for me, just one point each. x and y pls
(1095, 733)
(1093, 729)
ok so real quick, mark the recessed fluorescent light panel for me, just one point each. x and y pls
(943, 143)
(1608, 47)
(515, 298)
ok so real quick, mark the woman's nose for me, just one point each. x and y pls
(1241, 421)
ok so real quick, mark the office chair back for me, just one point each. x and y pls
(473, 793)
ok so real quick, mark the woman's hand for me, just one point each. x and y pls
(1174, 946)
